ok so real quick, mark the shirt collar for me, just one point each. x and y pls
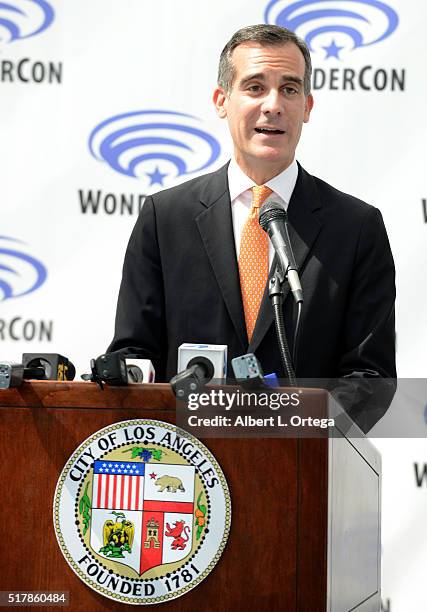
(283, 184)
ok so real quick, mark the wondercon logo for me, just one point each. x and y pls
(24, 18)
(331, 26)
(154, 145)
(20, 273)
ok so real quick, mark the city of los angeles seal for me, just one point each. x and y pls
(142, 511)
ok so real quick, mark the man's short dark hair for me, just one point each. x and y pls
(265, 35)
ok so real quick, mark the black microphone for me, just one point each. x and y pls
(48, 366)
(273, 220)
(36, 366)
(14, 374)
(198, 373)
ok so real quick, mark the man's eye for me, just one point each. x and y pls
(290, 91)
(254, 88)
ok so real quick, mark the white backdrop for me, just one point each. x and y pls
(67, 67)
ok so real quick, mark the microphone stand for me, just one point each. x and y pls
(276, 294)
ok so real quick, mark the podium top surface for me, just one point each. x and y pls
(75, 394)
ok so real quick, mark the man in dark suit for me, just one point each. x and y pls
(184, 271)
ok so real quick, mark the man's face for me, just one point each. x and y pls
(266, 107)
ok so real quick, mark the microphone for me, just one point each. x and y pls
(273, 219)
(48, 366)
(198, 373)
(14, 374)
(11, 374)
(140, 370)
(248, 372)
(197, 365)
(36, 366)
(117, 369)
(215, 353)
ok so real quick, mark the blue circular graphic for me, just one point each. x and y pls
(13, 14)
(159, 135)
(8, 273)
(293, 16)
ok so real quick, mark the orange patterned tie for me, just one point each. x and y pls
(253, 260)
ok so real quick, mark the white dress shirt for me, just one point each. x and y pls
(240, 185)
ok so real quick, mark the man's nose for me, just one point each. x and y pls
(272, 103)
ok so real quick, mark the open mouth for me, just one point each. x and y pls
(268, 131)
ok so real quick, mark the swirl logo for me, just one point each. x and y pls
(334, 25)
(24, 18)
(154, 144)
(20, 273)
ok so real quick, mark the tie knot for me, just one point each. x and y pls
(259, 194)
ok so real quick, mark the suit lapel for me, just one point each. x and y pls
(216, 229)
(304, 226)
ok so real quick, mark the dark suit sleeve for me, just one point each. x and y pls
(367, 366)
(140, 327)
(369, 332)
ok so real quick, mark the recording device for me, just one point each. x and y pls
(11, 374)
(198, 373)
(215, 353)
(109, 368)
(273, 220)
(248, 372)
(36, 366)
(198, 364)
(140, 370)
(50, 366)
(116, 369)
(247, 369)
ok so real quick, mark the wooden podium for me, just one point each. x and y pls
(305, 531)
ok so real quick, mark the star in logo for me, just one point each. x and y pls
(153, 475)
(333, 50)
(156, 177)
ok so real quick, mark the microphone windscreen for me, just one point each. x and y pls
(271, 211)
(205, 363)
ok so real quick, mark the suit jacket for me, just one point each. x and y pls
(181, 282)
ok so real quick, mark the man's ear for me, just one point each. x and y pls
(308, 107)
(220, 101)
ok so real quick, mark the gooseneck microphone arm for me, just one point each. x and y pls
(275, 292)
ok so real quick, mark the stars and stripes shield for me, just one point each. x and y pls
(142, 514)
